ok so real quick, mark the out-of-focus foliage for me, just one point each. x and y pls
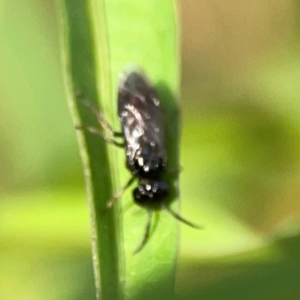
(240, 154)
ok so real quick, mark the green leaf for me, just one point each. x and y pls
(100, 38)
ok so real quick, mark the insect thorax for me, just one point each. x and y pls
(147, 162)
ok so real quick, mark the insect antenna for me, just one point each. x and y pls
(147, 232)
(180, 218)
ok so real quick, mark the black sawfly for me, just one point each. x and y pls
(143, 138)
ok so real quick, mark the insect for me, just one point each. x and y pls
(143, 139)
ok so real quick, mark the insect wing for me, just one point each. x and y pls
(140, 114)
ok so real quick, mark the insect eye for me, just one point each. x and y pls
(155, 187)
(140, 197)
(137, 195)
(141, 190)
(162, 188)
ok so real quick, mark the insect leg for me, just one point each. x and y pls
(147, 233)
(99, 115)
(179, 217)
(117, 195)
(98, 132)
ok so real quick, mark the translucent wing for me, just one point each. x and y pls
(140, 115)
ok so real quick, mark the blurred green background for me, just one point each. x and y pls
(240, 153)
